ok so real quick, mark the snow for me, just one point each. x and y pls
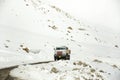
(94, 12)
(67, 70)
(40, 26)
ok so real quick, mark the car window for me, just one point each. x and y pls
(60, 48)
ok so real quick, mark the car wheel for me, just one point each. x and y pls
(67, 57)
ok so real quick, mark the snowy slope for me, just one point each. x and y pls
(44, 18)
(68, 70)
(39, 26)
(96, 12)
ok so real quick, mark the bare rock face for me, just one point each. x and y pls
(116, 46)
(9, 78)
(4, 74)
(12, 78)
(54, 70)
(26, 49)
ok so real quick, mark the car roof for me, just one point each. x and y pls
(62, 47)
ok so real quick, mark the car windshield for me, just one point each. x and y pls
(60, 48)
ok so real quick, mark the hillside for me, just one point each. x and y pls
(30, 29)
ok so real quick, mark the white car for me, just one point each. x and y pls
(62, 53)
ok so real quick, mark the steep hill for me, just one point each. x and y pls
(30, 29)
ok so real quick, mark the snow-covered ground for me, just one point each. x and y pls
(29, 31)
(68, 70)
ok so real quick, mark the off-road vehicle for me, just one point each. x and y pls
(62, 53)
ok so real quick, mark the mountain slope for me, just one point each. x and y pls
(30, 29)
(40, 17)
(33, 20)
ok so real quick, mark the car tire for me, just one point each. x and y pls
(67, 57)
(55, 58)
